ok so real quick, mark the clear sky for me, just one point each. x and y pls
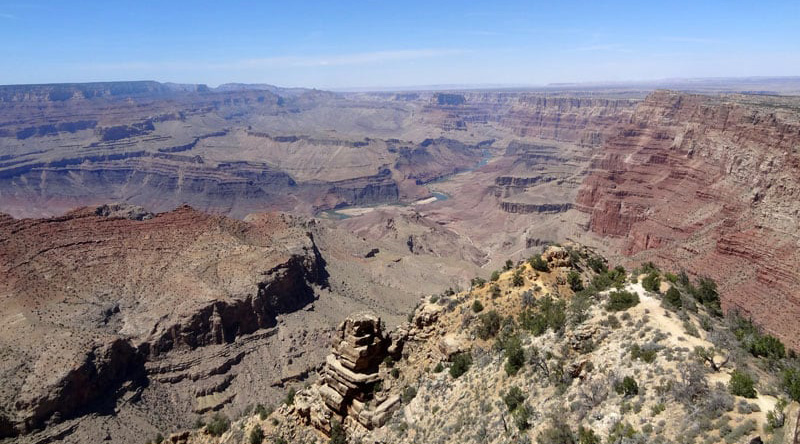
(339, 44)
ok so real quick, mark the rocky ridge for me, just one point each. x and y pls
(633, 375)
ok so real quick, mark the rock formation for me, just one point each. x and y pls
(349, 378)
(709, 184)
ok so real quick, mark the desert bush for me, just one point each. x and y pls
(477, 307)
(439, 367)
(495, 291)
(461, 363)
(256, 435)
(522, 416)
(514, 398)
(218, 425)
(550, 314)
(477, 282)
(538, 264)
(627, 387)
(742, 384)
(262, 411)
(289, 400)
(706, 293)
(579, 307)
(673, 298)
(587, 436)
(611, 321)
(597, 264)
(495, 276)
(621, 300)
(516, 279)
(791, 383)
(514, 354)
(651, 282)
(739, 431)
(647, 353)
(489, 324)
(508, 265)
(777, 416)
(408, 394)
(337, 435)
(558, 433)
(622, 433)
(574, 280)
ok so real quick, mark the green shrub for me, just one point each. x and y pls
(396, 373)
(587, 436)
(256, 435)
(533, 321)
(408, 394)
(558, 433)
(337, 433)
(218, 425)
(439, 367)
(495, 276)
(621, 433)
(627, 387)
(514, 398)
(651, 282)
(646, 354)
(477, 282)
(742, 384)
(290, 396)
(579, 307)
(574, 280)
(489, 324)
(461, 363)
(621, 300)
(477, 307)
(755, 342)
(538, 263)
(509, 265)
(550, 313)
(706, 293)
(517, 280)
(791, 383)
(768, 346)
(514, 354)
(522, 416)
(262, 412)
(597, 264)
(777, 416)
(495, 291)
(673, 298)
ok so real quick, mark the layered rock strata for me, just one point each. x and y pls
(348, 379)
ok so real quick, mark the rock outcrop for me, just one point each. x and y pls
(97, 299)
(349, 377)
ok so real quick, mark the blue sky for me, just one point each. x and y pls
(339, 44)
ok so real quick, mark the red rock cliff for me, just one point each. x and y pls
(710, 185)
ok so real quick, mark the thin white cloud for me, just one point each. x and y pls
(349, 59)
(364, 58)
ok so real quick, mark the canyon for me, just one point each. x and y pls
(187, 248)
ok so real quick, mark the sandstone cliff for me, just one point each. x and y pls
(709, 184)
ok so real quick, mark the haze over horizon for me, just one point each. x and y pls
(377, 44)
